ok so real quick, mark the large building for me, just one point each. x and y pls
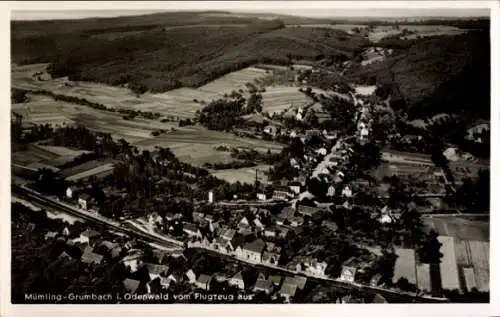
(405, 266)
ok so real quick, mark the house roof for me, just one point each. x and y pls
(89, 233)
(190, 227)
(108, 244)
(256, 246)
(287, 212)
(116, 252)
(89, 256)
(379, 299)
(405, 265)
(268, 255)
(288, 289)
(238, 276)
(84, 196)
(237, 240)
(131, 285)
(308, 210)
(298, 281)
(275, 279)
(203, 279)
(263, 284)
(228, 233)
(156, 269)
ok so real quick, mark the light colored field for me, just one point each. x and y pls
(195, 144)
(448, 266)
(177, 102)
(365, 90)
(278, 99)
(480, 255)
(381, 32)
(243, 175)
(343, 27)
(234, 81)
(423, 277)
(41, 108)
(95, 171)
(460, 228)
(192, 144)
(61, 151)
(405, 265)
(49, 155)
(331, 93)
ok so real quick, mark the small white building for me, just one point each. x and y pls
(70, 191)
(210, 196)
(347, 192)
(321, 151)
(331, 191)
(261, 196)
(83, 201)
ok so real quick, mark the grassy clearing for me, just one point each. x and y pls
(459, 227)
(234, 81)
(278, 99)
(244, 175)
(195, 145)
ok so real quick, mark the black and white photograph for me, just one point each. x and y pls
(264, 155)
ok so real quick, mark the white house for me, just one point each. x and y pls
(295, 188)
(347, 192)
(83, 201)
(65, 231)
(294, 163)
(258, 224)
(271, 130)
(321, 151)
(237, 280)
(252, 251)
(261, 196)
(385, 218)
(331, 191)
(191, 276)
(348, 274)
(70, 191)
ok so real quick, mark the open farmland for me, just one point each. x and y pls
(177, 102)
(196, 145)
(49, 155)
(278, 99)
(464, 228)
(234, 80)
(243, 175)
(42, 109)
(98, 171)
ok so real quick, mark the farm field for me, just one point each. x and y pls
(99, 170)
(177, 102)
(342, 27)
(243, 175)
(278, 99)
(381, 32)
(234, 80)
(459, 227)
(87, 166)
(43, 109)
(49, 155)
(195, 145)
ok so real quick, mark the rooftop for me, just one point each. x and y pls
(131, 285)
(256, 246)
(203, 279)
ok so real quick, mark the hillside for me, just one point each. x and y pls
(437, 74)
(161, 54)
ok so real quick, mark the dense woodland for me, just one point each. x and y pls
(440, 74)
